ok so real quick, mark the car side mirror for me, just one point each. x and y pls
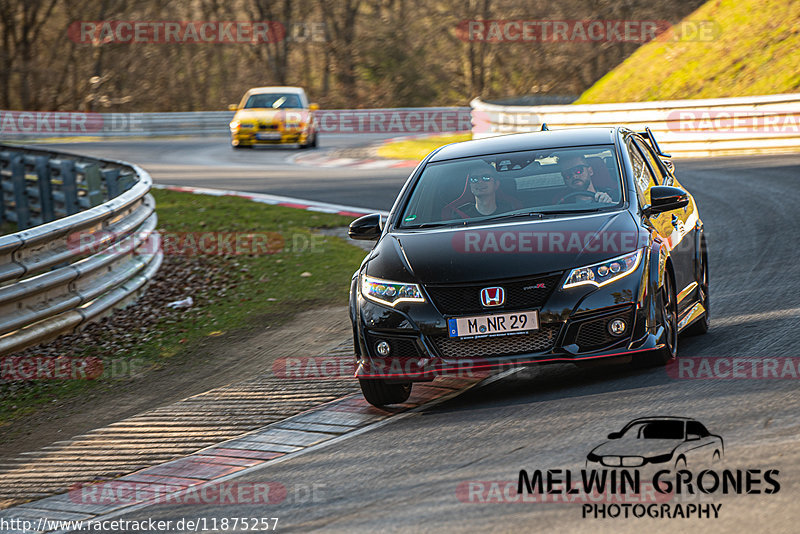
(366, 228)
(313, 107)
(666, 198)
(614, 435)
(233, 107)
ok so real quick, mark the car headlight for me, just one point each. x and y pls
(390, 293)
(660, 459)
(604, 272)
(234, 125)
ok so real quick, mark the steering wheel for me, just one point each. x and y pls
(577, 194)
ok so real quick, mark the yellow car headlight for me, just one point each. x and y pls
(234, 125)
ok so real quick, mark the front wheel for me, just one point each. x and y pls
(380, 392)
(312, 143)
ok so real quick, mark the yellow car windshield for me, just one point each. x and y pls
(273, 101)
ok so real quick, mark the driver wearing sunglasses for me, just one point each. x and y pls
(483, 184)
(577, 174)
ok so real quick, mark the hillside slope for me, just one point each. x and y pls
(753, 48)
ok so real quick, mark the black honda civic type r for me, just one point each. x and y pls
(574, 245)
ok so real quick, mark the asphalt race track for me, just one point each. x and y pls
(428, 471)
(211, 162)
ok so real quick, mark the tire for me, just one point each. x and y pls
(380, 392)
(310, 144)
(700, 326)
(239, 147)
(669, 311)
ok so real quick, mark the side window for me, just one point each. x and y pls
(642, 175)
(654, 165)
(693, 427)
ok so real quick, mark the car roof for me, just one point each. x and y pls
(276, 89)
(661, 418)
(527, 141)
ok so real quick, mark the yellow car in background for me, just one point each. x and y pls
(272, 116)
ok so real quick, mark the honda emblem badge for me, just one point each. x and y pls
(493, 296)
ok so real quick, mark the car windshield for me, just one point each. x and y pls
(530, 184)
(656, 430)
(274, 101)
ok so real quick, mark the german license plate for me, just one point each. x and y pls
(493, 325)
(268, 136)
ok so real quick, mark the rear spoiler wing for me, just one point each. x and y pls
(663, 156)
(647, 134)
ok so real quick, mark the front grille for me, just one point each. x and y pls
(594, 334)
(520, 294)
(540, 340)
(268, 126)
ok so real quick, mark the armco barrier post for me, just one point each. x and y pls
(21, 206)
(69, 186)
(111, 177)
(45, 188)
(94, 183)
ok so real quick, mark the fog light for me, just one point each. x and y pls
(617, 327)
(383, 348)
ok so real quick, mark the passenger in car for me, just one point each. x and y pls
(481, 195)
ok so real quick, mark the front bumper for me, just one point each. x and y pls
(573, 329)
(249, 137)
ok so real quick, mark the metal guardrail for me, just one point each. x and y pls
(39, 124)
(93, 247)
(20, 125)
(710, 127)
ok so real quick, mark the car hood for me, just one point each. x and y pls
(270, 115)
(637, 447)
(507, 250)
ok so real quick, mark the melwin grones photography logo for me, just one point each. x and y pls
(657, 467)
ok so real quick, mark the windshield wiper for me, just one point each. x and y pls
(561, 212)
(537, 214)
(425, 225)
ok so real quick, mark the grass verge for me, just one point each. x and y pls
(233, 294)
(419, 148)
(750, 49)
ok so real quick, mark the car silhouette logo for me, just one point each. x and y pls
(672, 442)
(493, 296)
